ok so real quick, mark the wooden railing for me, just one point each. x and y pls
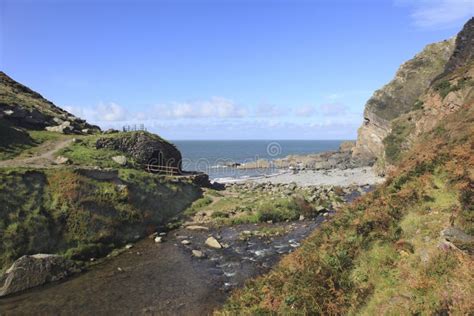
(162, 169)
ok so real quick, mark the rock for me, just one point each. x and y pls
(185, 242)
(159, 239)
(64, 128)
(146, 149)
(61, 160)
(320, 208)
(129, 246)
(33, 270)
(57, 120)
(198, 253)
(213, 243)
(121, 160)
(111, 131)
(196, 227)
(458, 238)
(454, 234)
(346, 146)
(398, 97)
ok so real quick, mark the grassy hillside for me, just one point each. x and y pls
(83, 214)
(383, 254)
(15, 141)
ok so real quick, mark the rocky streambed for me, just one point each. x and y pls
(180, 275)
(187, 271)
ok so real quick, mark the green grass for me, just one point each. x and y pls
(256, 207)
(445, 87)
(381, 255)
(63, 211)
(16, 141)
(395, 141)
(84, 153)
(198, 205)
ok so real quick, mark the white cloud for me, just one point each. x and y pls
(104, 112)
(215, 107)
(334, 109)
(439, 13)
(334, 96)
(110, 112)
(268, 110)
(305, 110)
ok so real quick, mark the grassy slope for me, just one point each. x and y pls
(254, 207)
(381, 255)
(16, 141)
(64, 211)
(84, 153)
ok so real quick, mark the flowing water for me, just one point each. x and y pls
(164, 278)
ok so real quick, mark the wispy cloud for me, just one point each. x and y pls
(435, 14)
(219, 117)
(103, 112)
(110, 112)
(333, 109)
(215, 107)
(305, 111)
(269, 110)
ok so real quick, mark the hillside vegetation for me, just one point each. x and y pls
(384, 254)
(407, 247)
(83, 213)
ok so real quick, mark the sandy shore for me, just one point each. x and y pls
(357, 176)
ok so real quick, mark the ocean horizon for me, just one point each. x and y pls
(214, 156)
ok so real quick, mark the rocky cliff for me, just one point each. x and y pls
(399, 96)
(407, 247)
(26, 108)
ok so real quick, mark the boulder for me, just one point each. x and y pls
(145, 148)
(458, 238)
(196, 227)
(61, 160)
(454, 234)
(213, 243)
(198, 253)
(121, 160)
(64, 128)
(33, 270)
(346, 146)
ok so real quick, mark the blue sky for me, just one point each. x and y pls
(219, 69)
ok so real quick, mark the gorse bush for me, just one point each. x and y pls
(381, 255)
(284, 209)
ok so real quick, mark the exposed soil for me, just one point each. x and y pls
(43, 156)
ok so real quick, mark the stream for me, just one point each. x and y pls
(165, 278)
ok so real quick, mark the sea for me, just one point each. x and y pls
(218, 158)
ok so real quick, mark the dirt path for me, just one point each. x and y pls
(44, 155)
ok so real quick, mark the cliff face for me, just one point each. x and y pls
(23, 107)
(413, 235)
(399, 96)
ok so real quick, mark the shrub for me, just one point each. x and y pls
(396, 139)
